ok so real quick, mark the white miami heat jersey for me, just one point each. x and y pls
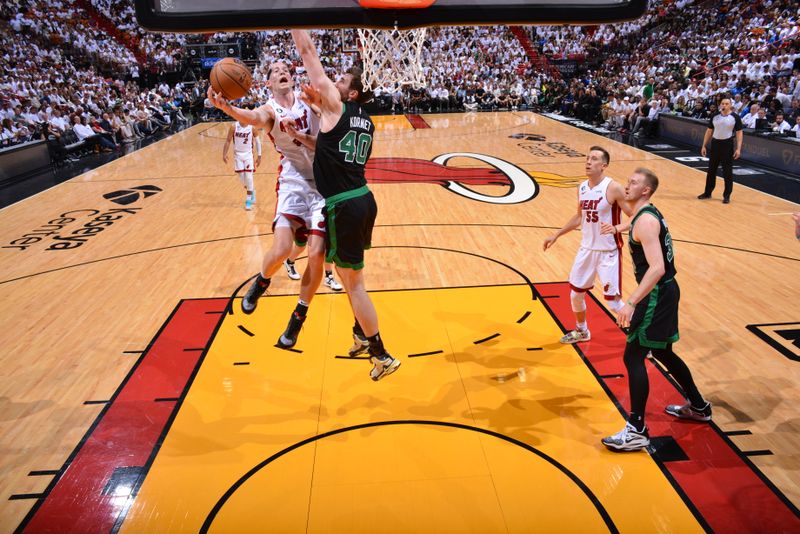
(242, 138)
(595, 209)
(297, 160)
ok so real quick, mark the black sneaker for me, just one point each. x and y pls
(289, 336)
(250, 300)
(704, 196)
(726, 200)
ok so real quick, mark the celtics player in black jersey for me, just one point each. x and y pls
(651, 316)
(344, 144)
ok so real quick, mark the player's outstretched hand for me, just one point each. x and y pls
(606, 228)
(216, 98)
(548, 242)
(288, 126)
(311, 96)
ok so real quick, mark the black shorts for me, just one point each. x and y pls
(655, 320)
(349, 230)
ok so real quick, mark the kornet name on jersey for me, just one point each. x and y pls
(596, 209)
(243, 139)
(297, 160)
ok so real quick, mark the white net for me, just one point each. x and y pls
(392, 58)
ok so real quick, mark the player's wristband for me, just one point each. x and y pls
(631, 304)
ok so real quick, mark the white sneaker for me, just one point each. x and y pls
(628, 439)
(360, 345)
(383, 366)
(687, 411)
(575, 336)
(331, 282)
(290, 270)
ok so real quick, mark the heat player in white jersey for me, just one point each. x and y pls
(292, 127)
(244, 139)
(600, 201)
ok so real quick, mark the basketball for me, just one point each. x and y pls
(231, 78)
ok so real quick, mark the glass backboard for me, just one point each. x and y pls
(219, 15)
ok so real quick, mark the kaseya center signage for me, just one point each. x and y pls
(76, 227)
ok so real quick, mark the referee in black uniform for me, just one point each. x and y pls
(725, 134)
(344, 144)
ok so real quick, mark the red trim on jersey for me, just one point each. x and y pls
(580, 289)
(610, 297)
(277, 186)
(243, 170)
(317, 232)
(616, 217)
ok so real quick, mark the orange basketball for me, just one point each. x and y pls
(231, 77)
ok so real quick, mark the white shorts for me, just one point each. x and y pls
(243, 162)
(591, 264)
(300, 210)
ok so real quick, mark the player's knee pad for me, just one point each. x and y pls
(578, 301)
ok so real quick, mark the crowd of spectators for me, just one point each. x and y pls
(54, 91)
(64, 77)
(688, 60)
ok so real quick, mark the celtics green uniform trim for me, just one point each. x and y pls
(335, 199)
(339, 170)
(640, 333)
(655, 319)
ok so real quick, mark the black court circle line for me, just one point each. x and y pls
(467, 225)
(534, 294)
(569, 474)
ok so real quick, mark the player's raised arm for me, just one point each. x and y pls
(331, 98)
(261, 117)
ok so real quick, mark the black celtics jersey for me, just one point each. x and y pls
(640, 264)
(343, 152)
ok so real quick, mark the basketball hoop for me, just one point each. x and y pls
(392, 58)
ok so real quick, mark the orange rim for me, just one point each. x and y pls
(396, 4)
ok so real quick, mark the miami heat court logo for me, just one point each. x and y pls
(522, 185)
(490, 425)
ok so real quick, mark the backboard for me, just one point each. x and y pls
(220, 15)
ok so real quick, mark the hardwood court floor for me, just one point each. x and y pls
(95, 288)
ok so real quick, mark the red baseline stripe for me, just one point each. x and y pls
(127, 432)
(724, 487)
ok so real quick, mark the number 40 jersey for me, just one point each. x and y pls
(342, 153)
